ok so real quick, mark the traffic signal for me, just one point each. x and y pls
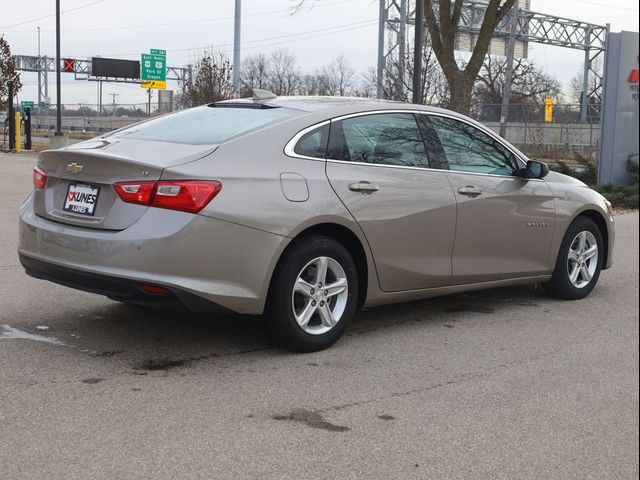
(69, 65)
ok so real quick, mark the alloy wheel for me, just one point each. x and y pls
(582, 260)
(319, 296)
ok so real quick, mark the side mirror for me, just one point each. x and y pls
(536, 169)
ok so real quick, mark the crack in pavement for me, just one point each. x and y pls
(461, 378)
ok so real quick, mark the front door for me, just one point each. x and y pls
(505, 222)
(378, 166)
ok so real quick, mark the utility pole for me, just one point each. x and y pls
(584, 104)
(236, 48)
(417, 53)
(100, 98)
(508, 77)
(402, 35)
(58, 132)
(39, 74)
(113, 102)
(382, 21)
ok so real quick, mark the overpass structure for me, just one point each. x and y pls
(44, 65)
(398, 16)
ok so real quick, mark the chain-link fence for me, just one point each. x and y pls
(93, 118)
(526, 127)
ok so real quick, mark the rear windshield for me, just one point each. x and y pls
(208, 124)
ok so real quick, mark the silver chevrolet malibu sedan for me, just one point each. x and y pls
(306, 209)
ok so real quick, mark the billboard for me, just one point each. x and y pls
(115, 68)
(466, 41)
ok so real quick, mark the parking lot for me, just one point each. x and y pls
(497, 384)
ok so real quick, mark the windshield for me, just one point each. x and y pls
(204, 125)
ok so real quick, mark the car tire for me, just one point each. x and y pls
(313, 295)
(577, 267)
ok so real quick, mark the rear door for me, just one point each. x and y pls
(505, 223)
(378, 165)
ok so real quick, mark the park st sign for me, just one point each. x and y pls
(153, 69)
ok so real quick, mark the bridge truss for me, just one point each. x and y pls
(397, 16)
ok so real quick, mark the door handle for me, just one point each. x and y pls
(470, 191)
(364, 187)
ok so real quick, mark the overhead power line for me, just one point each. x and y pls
(332, 29)
(53, 14)
(607, 5)
(185, 22)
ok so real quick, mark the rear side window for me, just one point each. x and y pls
(314, 143)
(208, 124)
(385, 139)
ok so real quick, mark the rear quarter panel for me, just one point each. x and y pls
(252, 194)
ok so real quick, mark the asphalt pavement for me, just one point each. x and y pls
(499, 384)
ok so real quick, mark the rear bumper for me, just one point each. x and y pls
(119, 289)
(195, 257)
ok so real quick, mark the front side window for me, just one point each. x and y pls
(386, 139)
(469, 149)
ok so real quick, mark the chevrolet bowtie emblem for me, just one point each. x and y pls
(74, 168)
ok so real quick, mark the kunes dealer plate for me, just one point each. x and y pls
(81, 199)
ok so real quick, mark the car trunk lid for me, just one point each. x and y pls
(79, 189)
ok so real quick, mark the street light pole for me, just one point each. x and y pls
(417, 53)
(58, 132)
(236, 48)
(39, 74)
(508, 76)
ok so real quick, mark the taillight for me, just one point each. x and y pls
(135, 192)
(184, 195)
(188, 196)
(39, 178)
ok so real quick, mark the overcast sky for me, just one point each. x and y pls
(126, 28)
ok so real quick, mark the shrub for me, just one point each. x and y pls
(586, 170)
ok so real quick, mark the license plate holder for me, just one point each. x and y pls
(81, 199)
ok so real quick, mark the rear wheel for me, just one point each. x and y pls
(579, 261)
(314, 294)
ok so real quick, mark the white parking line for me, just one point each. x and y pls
(11, 333)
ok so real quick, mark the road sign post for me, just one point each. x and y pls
(153, 69)
(24, 104)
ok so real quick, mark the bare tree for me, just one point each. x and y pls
(337, 78)
(529, 84)
(575, 84)
(254, 73)
(443, 20)
(211, 82)
(435, 89)
(311, 84)
(7, 72)
(284, 74)
(529, 88)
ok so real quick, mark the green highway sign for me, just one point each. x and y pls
(27, 104)
(153, 66)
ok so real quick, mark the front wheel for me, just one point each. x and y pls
(579, 261)
(314, 294)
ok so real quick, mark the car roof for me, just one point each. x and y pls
(319, 103)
